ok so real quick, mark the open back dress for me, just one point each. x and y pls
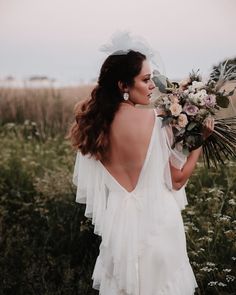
(143, 248)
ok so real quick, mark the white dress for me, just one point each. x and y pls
(143, 248)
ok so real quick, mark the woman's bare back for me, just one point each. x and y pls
(130, 135)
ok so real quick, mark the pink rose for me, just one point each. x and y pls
(190, 109)
(210, 100)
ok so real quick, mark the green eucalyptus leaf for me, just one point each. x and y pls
(191, 125)
(180, 132)
(222, 101)
(190, 140)
(160, 82)
(185, 151)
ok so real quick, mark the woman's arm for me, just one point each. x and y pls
(180, 177)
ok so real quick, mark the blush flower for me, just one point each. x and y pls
(185, 82)
(191, 109)
(175, 109)
(182, 120)
(174, 99)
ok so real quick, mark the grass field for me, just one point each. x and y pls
(47, 247)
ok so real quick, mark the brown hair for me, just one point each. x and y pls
(90, 132)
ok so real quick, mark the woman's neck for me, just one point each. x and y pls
(128, 102)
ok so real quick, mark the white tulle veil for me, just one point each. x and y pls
(121, 42)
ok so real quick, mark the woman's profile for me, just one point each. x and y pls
(131, 182)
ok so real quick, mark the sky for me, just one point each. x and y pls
(61, 38)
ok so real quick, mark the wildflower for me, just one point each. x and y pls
(230, 278)
(207, 269)
(224, 219)
(232, 202)
(190, 212)
(194, 228)
(227, 270)
(186, 228)
(210, 264)
(220, 284)
(212, 283)
(230, 234)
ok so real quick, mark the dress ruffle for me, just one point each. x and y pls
(91, 190)
(183, 282)
(121, 244)
(128, 221)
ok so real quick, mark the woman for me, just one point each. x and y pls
(127, 174)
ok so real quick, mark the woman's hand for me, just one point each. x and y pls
(180, 177)
(208, 127)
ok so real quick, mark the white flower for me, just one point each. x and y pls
(202, 93)
(186, 91)
(182, 120)
(232, 202)
(191, 88)
(197, 85)
(199, 97)
(175, 109)
(193, 98)
(166, 100)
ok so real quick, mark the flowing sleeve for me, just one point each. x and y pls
(177, 160)
(91, 189)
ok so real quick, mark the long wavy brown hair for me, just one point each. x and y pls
(89, 132)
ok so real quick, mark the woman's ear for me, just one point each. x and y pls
(122, 86)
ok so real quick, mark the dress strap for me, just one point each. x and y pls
(155, 111)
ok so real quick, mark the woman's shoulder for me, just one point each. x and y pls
(134, 114)
(132, 122)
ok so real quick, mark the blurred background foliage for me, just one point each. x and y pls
(47, 246)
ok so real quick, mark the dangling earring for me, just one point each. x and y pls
(126, 95)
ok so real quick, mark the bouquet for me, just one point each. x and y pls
(186, 105)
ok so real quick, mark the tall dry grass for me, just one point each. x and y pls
(51, 109)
